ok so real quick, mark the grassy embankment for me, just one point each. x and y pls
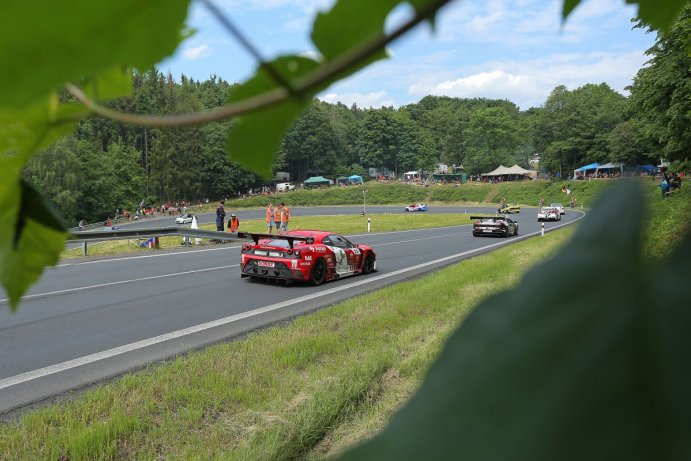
(300, 391)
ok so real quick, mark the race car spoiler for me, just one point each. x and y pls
(290, 238)
(487, 217)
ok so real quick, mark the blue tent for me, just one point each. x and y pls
(355, 179)
(648, 168)
(592, 166)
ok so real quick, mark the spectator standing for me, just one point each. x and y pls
(278, 217)
(81, 224)
(270, 218)
(285, 217)
(220, 216)
(233, 223)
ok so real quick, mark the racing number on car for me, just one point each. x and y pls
(341, 259)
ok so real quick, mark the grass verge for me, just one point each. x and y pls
(341, 224)
(300, 391)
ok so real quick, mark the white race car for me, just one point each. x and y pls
(548, 213)
(184, 219)
(559, 207)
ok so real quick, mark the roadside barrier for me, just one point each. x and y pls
(145, 233)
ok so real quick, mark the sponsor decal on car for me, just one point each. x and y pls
(294, 263)
(356, 251)
(308, 258)
(266, 263)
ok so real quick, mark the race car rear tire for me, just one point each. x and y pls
(318, 272)
(368, 264)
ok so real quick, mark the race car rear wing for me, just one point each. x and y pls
(486, 217)
(290, 238)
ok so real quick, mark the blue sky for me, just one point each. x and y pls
(515, 50)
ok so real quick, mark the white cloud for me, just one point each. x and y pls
(528, 83)
(197, 52)
(375, 99)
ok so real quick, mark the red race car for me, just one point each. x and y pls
(304, 256)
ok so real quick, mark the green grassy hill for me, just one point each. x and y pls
(525, 193)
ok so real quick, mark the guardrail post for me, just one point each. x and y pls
(157, 243)
(542, 232)
(84, 248)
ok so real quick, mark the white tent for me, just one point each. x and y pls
(515, 170)
(498, 171)
(611, 166)
(411, 174)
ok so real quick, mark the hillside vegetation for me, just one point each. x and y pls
(525, 193)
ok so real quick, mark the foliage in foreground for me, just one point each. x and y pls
(586, 359)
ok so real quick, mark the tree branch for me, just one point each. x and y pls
(235, 32)
(304, 85)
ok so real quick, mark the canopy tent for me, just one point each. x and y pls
(451, 177)
(342, 180)
(592, 166)
(355, 179)
(611, 166)
(498, 171)
(316, 181)
(648, 168)
(411, 174)
(583, 169)
(513, 171)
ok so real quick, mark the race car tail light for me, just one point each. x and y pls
(297, 253)
(289, 252)
(246, 247)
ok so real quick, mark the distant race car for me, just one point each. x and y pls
(417, 207)
(184, 219)
(559, 207)
(514, 208)
(304, 256)
(547, 213)
(502, 226)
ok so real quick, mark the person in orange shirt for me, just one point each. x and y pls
(285, 217)
(233, 223)
(270, 217)
(278, 217)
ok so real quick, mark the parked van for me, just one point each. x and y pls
(284, 187)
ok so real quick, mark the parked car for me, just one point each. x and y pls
(417, 207)
(184, 219)
(502, 226)
(547, 213)
(559, 207)
(284, 187)
(513, 208)
(304, 256)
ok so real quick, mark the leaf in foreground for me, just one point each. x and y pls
(46, 44)
(586, 359)
(255, 138)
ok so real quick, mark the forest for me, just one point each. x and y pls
(104, 165)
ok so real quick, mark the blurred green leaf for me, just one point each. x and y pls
(255, 138)
(24, 216)
(44, 45)
(350, 23)
(36, 248)
(586, 359)
(660, 14)
(113, 83)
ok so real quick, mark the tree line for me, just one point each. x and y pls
(104, 165)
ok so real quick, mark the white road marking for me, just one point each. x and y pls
(120, 282)
(88, 359)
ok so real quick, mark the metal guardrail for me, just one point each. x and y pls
(125, 234)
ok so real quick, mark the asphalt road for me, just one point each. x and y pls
(88, 320)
